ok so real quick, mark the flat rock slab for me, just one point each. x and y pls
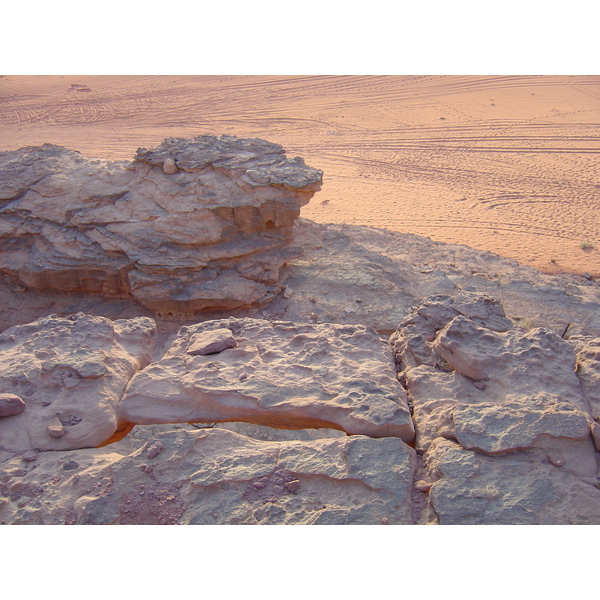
(279, 374)
(214, 476)
(70, 374)
(470, 488)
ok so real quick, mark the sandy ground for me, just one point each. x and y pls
(500, 163)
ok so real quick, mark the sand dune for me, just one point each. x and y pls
(500, 163)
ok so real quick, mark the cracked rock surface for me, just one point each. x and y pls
(502, 420)
(215, 476)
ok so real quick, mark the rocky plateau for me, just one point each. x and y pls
(178, 347)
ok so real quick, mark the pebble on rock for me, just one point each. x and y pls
(293, 486)
(422, 486)
(169, 166)
(55, 428)
(11, 404)
(154, 449)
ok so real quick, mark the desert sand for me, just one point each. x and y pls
(507, 164)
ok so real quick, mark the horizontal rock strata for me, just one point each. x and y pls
(214, 477)
(62, 378)
(191, 225)
(280, 374)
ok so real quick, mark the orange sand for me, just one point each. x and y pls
(507, 164)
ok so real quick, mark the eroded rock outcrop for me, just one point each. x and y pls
(280, 374)
(62, 378)
(213, 477)
(499, 411)
(191, 225)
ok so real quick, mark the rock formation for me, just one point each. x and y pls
(62, 378)
(280, 374)
(500, 414)
(286, 406)
(191, 225)
(214, 477)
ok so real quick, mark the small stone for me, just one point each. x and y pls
(70, 465)
(243, 376)
(169, 166)
(148, 468)
(480, 385)
(422, 486)
(29, 456)
(211, 342)
(55, 428)
(11, 404)
(258, 485)
(385, 521)
(555, 460)
(288, 292)
(350, 309)
(154, 449)
(293, 486)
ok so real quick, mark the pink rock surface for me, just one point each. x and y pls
(72, 373)
(296, 376)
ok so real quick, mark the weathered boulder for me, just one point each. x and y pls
(191, 225)
(70, 374)
(280, 374)
(214, 476)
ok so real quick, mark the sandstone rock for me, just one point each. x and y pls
(11, 404)
(270, 434)
(588, 371)
(208, 477)
(595, 431)
(211, 342)
(192, 224)
(391, 272)
(72, 372)
(529, 397)
(521, 488)
(414, 337)
(299, 376)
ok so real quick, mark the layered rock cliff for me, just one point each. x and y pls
(191, 225)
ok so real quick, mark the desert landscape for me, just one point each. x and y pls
(507, 164)
(299, 300)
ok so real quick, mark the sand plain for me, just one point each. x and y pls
(508, 164)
